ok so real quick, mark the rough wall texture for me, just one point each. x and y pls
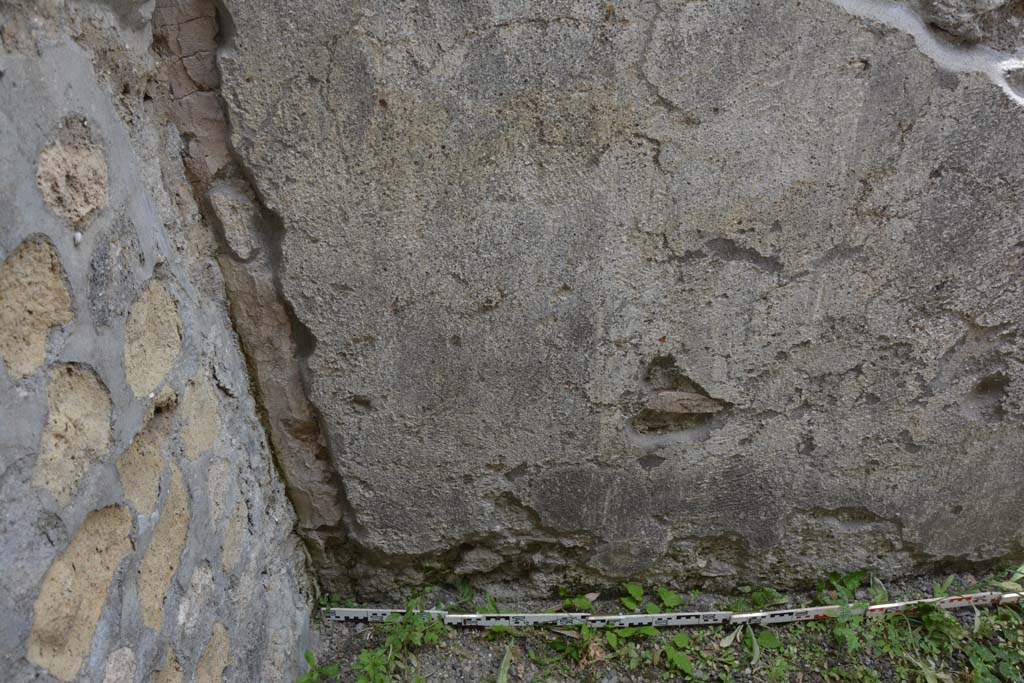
(526, 292)
(145, 532)
(679, 290)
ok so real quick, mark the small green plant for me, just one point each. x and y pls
(373, 665)
(778, 670)
(1014, 583)
(844, 585)
(634, 594)
(317, 673)
(670, 599)
(877, 590)
(926, 645)
(506, 664)
(403, 633)
(676, 657)
(466, 595)
(995, 652)
(329, 600)
(846, 624)
(756, 600)
(585, 643)
(579, 645)
(763, 598)
(580, 603)
(941, 590)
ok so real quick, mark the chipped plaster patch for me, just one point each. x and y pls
(197, 599)
(201, 408)
(115, 260)
(71, 174)
(74, 590)
(33, 300)
(164, 552)
(152, 339)
(219, 482)
(216, 656)
(77, 430)
(478, 561)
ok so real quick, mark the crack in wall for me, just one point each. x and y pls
(275, 343)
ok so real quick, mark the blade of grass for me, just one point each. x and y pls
(506, 664)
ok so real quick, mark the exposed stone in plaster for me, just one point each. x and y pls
(235, 535)
(120, 667)
(188, 30)
(72, 174)
(216, 657)
(220, 482)
(478, 561)
(34, 299)
(74, 591)
(164, 552)
(142, 463)
(170, 671)
(185, 35)
(76, 435)
(201, 414)
(946, 31)
(111, 270)
(266, 331)
(235, 207)
(152, 338)
(997, 22)
(191, 609)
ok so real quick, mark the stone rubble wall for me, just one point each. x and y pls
(146, 533)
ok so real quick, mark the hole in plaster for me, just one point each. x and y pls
(985, 400)
(674, 402)
(361, 403)
(649, 462)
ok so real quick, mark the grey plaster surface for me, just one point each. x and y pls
(509, 225)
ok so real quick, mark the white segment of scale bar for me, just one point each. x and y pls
(517, 619)
(662, 619)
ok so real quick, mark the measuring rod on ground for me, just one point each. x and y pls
(676, 619)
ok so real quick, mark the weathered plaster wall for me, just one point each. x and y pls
(679, 290)
(524, 293)
(145, 532)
